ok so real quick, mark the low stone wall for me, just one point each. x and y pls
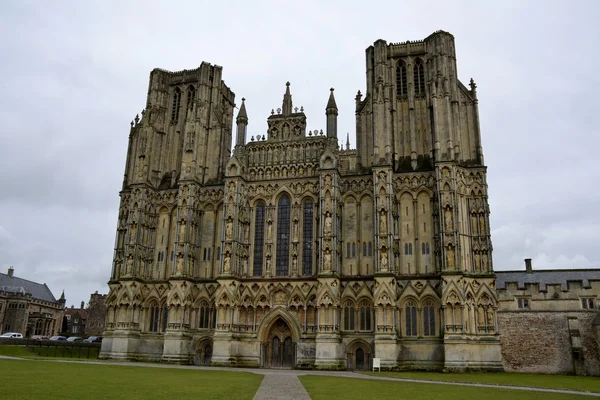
(539, 342)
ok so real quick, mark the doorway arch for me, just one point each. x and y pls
(203, 353)
(359, 355)
(278, 342)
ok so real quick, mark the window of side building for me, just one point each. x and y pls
(588, 303)
(523, 303)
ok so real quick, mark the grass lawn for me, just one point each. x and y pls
(581, 383)
(53, 352)
(76, 381)
(331, 388)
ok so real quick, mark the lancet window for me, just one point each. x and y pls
(419, 78)
(429, 319)
(259, 238)
(176, 104)
(401, 83)
(307, 237)
(411, 318)
(364, 316)
(283, 236)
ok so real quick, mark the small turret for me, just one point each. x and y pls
(62, 301)
(242, 124)
(331, 111)
(287, 100)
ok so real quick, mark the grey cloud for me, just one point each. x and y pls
(77, 73)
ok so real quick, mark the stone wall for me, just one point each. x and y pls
(96, 319)
(539, 342)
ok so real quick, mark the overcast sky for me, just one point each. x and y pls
(75, 73)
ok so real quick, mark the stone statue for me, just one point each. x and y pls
(226, 263)
(384, 260)
(294, 265)
(327, 260)
(132, 233)
(179, 265)
(450, 257)
(228, 229)
(383, 223)
(269, 230)
(328, 222)
(484, 261)
(490, 317)
(246, 234)
(448, 219)
(295, 230)
(268, 267)
(129, 265)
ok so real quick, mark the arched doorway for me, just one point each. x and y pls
(360, 359)
(359, 355)
(203, 353)
(279, 351)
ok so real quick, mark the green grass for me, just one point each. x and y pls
(52, 352)
(76, 381)
(331, 388)
(581, 383)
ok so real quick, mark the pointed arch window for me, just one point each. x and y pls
(419, 76)
(428, 319)
(154, 318)
(259, 238)
(307, 237)
(283, 236)
(176, 104)
(191, 94)
(364, 316)
(401, 83)
(411, 318)
(204, 316)
(349, 316)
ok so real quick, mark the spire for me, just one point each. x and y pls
(62, 296)
(331, 103)
(331, 111)
(242, 123)
(287, 100)
(347, 140)
(242, 112)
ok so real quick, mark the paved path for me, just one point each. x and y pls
(281, 387)
(282, 376)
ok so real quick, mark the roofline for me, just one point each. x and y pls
(549, 270)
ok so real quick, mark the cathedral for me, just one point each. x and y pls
(287, 250)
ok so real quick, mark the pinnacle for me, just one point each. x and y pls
(331, 102)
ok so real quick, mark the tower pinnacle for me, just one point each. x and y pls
(287, 100)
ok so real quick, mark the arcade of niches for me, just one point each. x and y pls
(294, 251)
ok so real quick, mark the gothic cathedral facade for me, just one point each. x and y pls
(292, 251)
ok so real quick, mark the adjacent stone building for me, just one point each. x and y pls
(74, 323)
(28, 307)
(96, 315)
(548, 320)
(291, 251)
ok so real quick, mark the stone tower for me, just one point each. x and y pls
(294, 252)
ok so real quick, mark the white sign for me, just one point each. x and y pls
(376, 364)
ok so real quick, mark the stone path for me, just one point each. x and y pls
(281, 387)
(279, 379)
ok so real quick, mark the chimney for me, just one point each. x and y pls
(11, 271)
(82, 304)
(528, 267)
